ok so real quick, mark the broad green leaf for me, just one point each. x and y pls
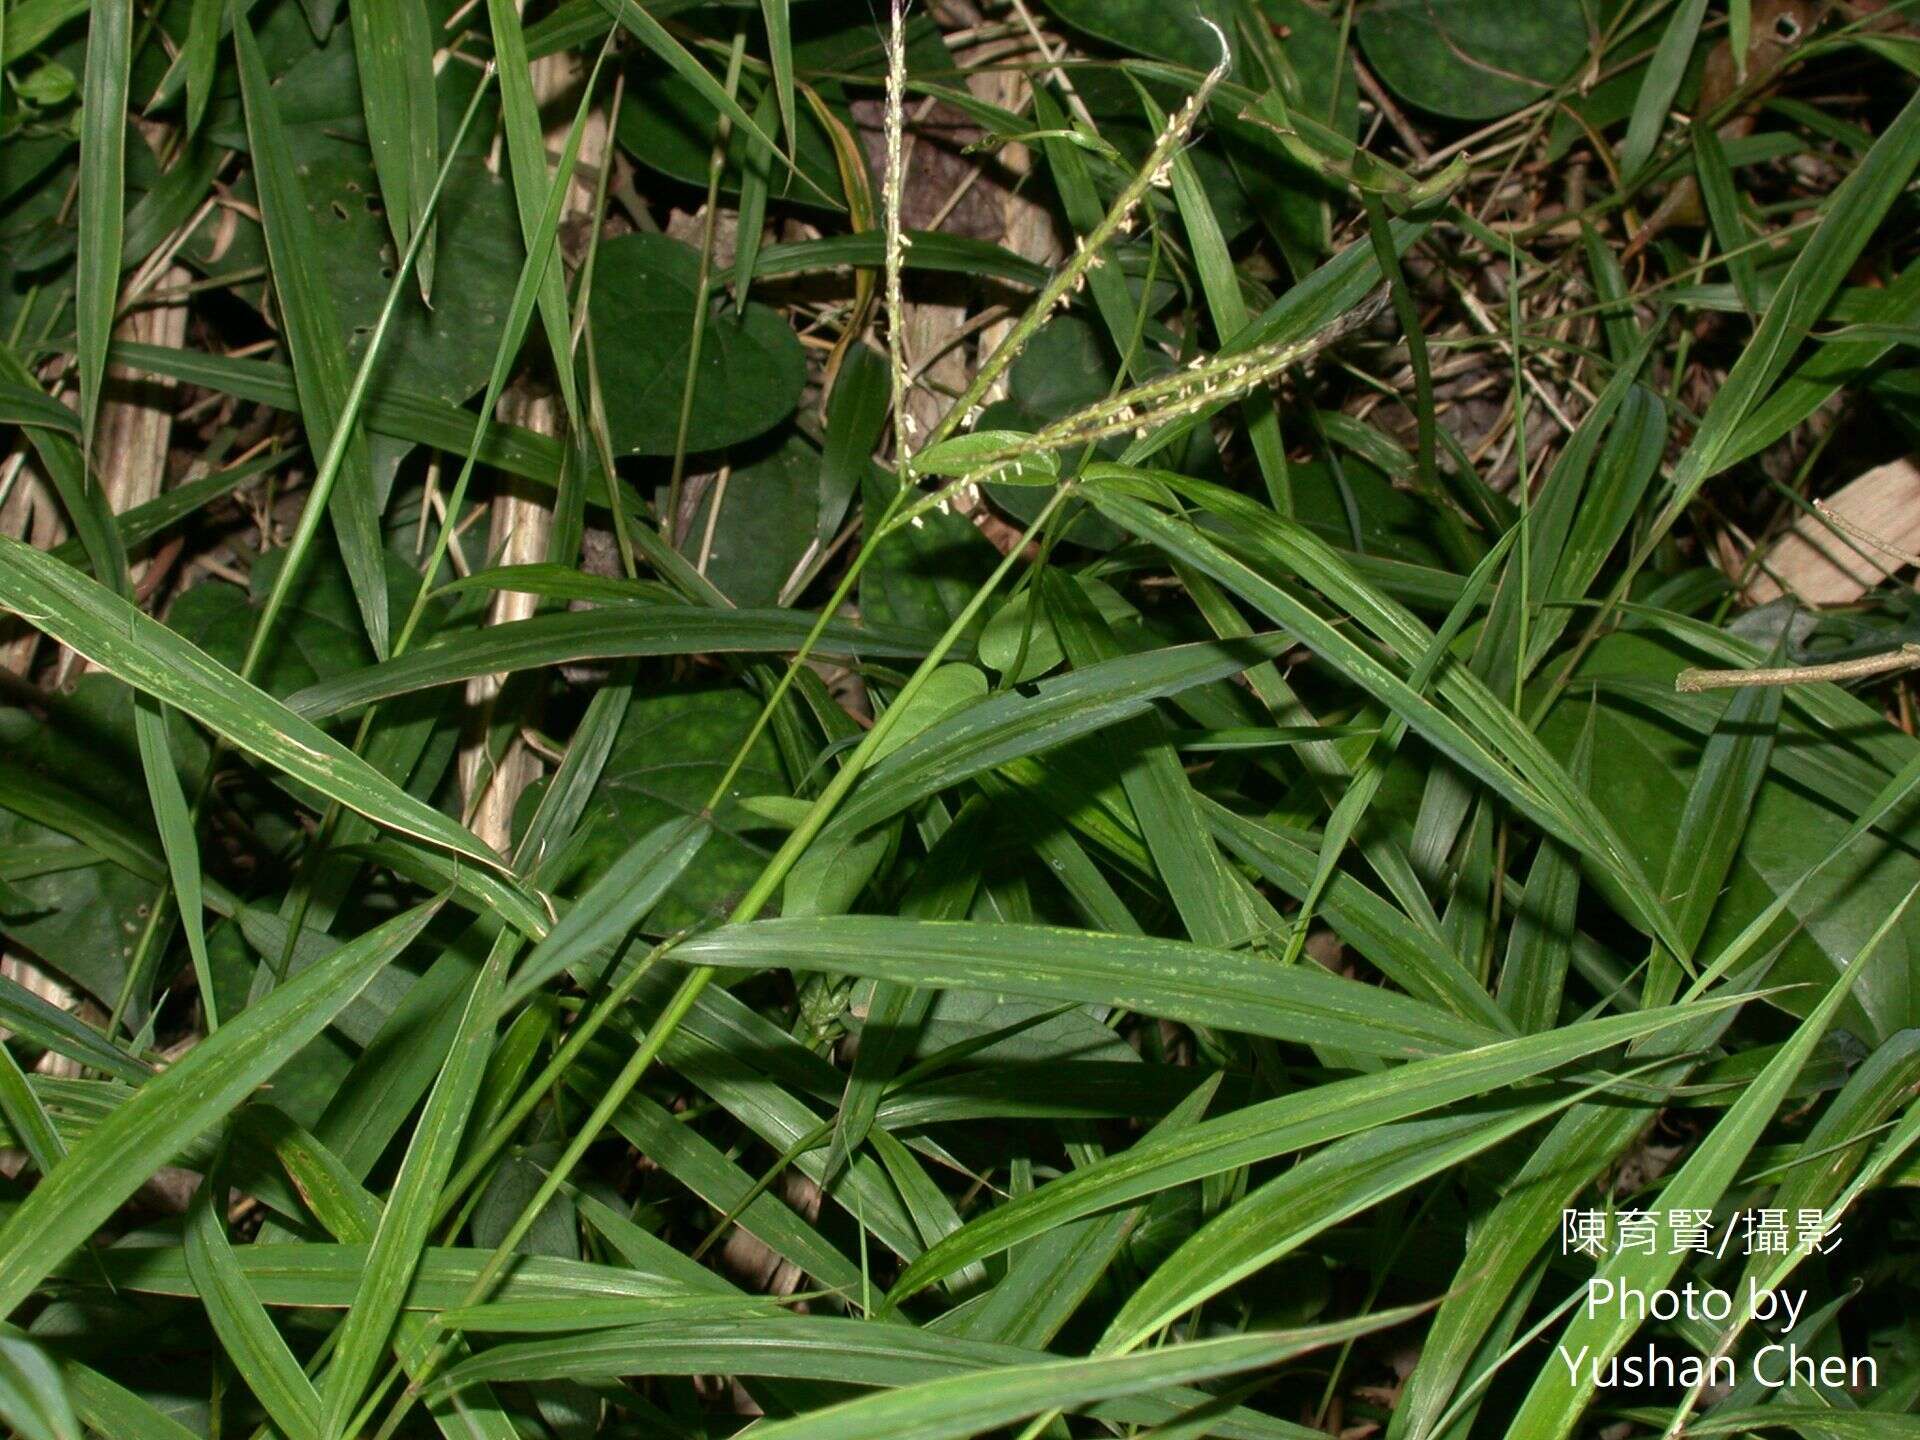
(1473, 59)
(750, 373)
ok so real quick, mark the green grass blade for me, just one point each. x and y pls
(655, 36)
(240, 1321)
(1012, 724)
(26, 1117)
(1657, 89)
(408, 1217)
(393, 46)
(147, 655)
(532, 186)
(313, 336)
(196, 1093)
(1853, 215)
(1345, 1179)
(1277, 1127)
(1554, 1405)
(201, 56)
(103, 166)
(780, 59)
(567, 637)
(616, 903)
(964, 1405)
(1232, 990)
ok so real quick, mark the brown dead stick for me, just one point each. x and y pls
(1691, 682)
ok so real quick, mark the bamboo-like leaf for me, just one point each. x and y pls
(33, 1394)
(1853, 215)
(314, 341)
(201, 56)
(257, 1350)
(147, 655)
(616, 903)
(1344, 1179)
(617, 632)
(393, 46)
(1660, 84)
(1559, 1395)
(151, 1126)
(780, 58)
(103, 166)
(962, 1405)
(1277, 1127)
(651, 33)
(821, 1348)
(26, 1118)
(407, 1220)
(532, 186)
(1228, 989)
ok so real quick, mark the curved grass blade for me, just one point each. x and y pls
(393, 48)
(963, 1405)
(406, 1221)
(819, 1348)
(616, 903)
(1277, 1127)
(152, 1125)
(1232, 990)
(1657, 89)
(1031, 719)
(138, 649)
(240, 1321)
(103, 171)
(313, 336)
(33, 1396)
(1554, 1405)
(613, 633)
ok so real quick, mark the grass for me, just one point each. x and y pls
(1039, 719)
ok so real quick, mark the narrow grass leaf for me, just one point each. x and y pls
(173, 1108)
(1561, 1393)
(407, 1220)
(1277, 1127)
(314, 340)
(103, 173)
(138, 649)
(962, 1405)
(259, 1354)
(393, 47)
(1658, 87)
(1158, 977)
(615, 904)
(567, 637)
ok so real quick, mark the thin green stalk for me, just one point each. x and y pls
(702, 291)
(749, 907)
